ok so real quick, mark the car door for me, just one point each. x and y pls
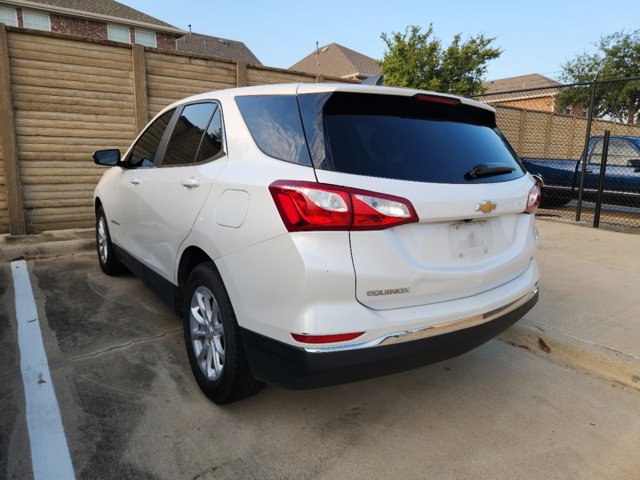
(172, 194)
(619, 173)
(622, 175)
(123, 204)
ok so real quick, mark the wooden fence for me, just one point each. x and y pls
(62, 97)
(551, 135)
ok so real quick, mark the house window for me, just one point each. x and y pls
(8, 16)
(37, 21)
(118, 34)
(143, 37)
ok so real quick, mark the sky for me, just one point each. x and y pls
(535, 36)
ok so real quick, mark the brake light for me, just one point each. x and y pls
(533, 199)
(305, 206)
(315, 339)
(426, 98)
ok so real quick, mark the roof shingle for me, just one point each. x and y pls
(334, 60)
(216, 47)
(534, 80)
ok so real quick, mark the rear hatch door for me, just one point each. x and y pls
(472, 234)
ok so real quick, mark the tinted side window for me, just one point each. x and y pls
(145, 149)
(187, 134)
(275, 125)
(211, 145)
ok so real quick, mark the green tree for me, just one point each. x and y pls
(617, 56)
(418, 60)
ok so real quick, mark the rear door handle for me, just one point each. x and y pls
(190, 183)
(136, 181)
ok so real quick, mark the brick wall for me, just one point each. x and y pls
(540, 104)
(78, 26)
(165, 41)
(94, 29)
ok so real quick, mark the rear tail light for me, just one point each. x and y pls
(315, 339)
(307, 206)
(533, 199)
(303, 206)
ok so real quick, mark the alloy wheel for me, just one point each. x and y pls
(102, 241)
(207, 333)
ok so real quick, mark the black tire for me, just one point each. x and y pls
(109, 263)
(221, 370)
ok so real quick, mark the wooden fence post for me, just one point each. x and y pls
(572, 129)
(520, 133)
(547, 135)
(140, 87)
(17, 225)
(241, 74)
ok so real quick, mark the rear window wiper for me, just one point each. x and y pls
(488, 170)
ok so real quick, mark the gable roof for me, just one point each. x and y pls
(216, 47)
(337, 61)
(106, 10)
(534, 80)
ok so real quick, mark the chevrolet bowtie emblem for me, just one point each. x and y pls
(486, 207)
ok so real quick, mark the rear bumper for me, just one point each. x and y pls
(288, 366)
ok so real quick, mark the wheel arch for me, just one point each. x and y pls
(190, 258)
(97, 204)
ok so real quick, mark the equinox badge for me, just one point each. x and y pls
(486, 207)
(388, 291)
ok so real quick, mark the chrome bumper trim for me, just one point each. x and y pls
(442, 328)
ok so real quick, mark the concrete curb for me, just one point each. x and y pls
(575, 352)
(47, 244)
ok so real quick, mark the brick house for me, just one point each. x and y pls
(529, 92)
(334, 60)
(96, 19)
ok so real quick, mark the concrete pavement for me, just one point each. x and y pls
(588, 315)
(131, 408)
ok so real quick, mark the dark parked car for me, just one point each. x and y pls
(562, 177)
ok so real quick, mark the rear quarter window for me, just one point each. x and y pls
(275, 125)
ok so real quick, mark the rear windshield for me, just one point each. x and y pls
(400, 138)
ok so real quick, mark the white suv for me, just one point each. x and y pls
(315, 234)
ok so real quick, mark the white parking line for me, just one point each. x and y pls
(49, 451)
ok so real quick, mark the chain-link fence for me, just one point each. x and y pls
(583, 140)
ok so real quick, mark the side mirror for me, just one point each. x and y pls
(107, 158)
